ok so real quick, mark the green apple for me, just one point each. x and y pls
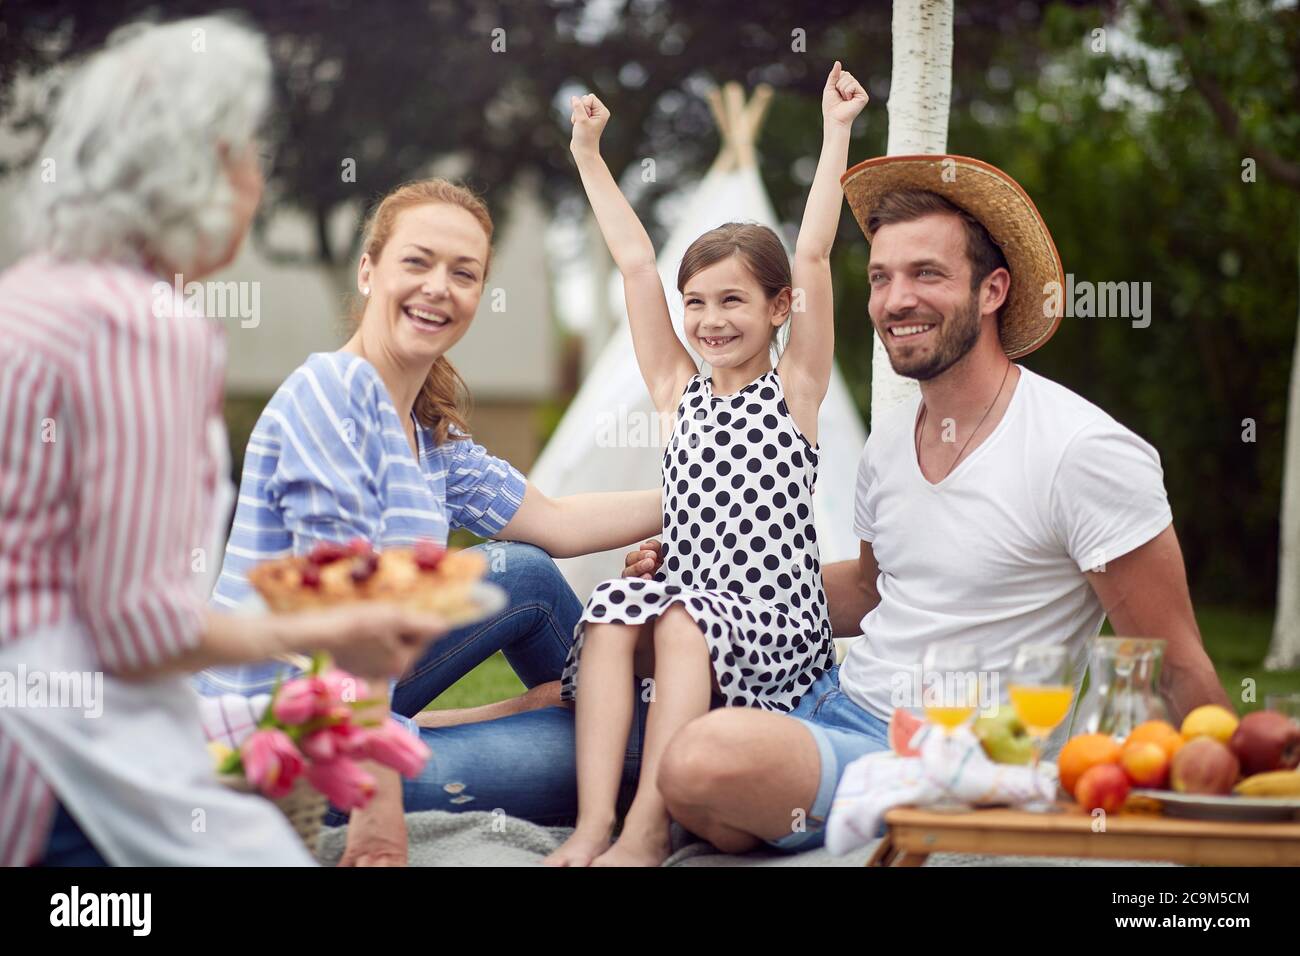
(1004, 737)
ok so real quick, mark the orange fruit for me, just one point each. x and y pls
(1157, 732)
(1080, 754)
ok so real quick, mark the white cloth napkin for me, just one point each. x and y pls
(230, 719)
(953, 766)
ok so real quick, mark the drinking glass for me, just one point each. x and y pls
(1286, 704)
(1041, 688)
(950, 683)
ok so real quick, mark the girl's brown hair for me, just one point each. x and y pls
(443, 402)
(758, 246)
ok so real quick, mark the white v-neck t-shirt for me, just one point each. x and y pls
(995, 553)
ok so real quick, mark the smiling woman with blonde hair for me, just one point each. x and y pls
(371, 442)
(441, 402)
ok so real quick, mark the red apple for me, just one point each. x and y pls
(1103, 787)
(1266, 740)
(1204, 765)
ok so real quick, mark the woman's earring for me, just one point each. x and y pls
(366, 291)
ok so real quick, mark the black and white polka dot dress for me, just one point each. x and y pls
(740, 552)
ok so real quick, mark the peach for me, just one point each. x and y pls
(1204, 765)
(1103, 787)
(1146, 763)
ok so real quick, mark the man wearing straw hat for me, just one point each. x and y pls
(994, 507)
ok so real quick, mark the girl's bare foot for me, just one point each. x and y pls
(581, 848)
(638, 846)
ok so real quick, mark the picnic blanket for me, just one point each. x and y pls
(480, 838)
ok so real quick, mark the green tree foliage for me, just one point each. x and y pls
(1140, 180)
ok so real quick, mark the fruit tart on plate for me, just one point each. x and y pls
(427, 577)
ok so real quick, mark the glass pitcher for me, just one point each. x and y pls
(1123, 682)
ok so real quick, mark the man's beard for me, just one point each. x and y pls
(957, 336)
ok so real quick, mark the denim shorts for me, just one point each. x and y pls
(843, 732)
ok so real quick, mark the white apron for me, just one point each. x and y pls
(138, 778)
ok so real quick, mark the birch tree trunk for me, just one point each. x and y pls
(919, 91)
(1284, 652)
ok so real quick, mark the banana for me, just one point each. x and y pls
(1275, 783)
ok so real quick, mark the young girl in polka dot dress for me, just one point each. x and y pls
(737, 613)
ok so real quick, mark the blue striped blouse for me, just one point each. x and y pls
(329, 461)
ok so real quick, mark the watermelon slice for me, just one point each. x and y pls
(903, 726)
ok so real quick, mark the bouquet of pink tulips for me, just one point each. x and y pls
(322, 724)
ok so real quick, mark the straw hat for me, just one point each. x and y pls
(1005, 210)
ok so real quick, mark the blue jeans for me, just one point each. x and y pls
(843, 732)
(68, 845)
(524, 764)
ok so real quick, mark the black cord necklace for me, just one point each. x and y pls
(920, 428)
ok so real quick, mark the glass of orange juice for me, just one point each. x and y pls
(950, 689)
(950, 683)
(1041, 688)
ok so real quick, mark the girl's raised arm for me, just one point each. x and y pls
(806, 363)
(665, 363)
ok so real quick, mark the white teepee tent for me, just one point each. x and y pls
(608, 439)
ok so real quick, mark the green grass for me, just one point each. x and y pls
(491, 681)
(1236, 640)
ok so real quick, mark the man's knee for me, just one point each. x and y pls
(706, 759)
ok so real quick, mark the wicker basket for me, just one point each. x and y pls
(304, 806)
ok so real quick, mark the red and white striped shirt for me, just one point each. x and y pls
(106, 480)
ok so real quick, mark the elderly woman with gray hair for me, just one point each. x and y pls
(112, 470)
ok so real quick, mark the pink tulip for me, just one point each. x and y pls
(321, 746)
(271, 762)
(393, 746)
(339, 740)
(349, 739)
(299, 700)
(343, 782)
(342, 688)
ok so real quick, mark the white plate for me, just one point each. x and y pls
(1199, 806)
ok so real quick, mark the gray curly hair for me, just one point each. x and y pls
(131, 169)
